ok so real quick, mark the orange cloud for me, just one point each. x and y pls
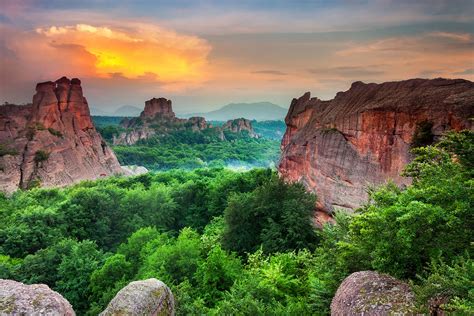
(137, 52)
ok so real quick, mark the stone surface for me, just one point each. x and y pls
(371, 293)
(157, 107)
(147, 297)
(134, 170)
(361, 138)
(240, 125)
(57, 124)
(37, 299)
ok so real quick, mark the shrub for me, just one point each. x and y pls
(4, 150)
(41, 156)
(55, 132)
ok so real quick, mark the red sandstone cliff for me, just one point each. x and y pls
(339, 148)
(53, 141)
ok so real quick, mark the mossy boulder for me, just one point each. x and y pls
(147, 297)
(372, 293)
(17, 298)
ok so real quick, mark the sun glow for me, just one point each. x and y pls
(144, 51)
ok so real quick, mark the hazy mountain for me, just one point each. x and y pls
(259, 111)
(128, 110)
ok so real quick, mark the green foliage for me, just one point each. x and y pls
(41, 156)
(108, 132)
(400, 232)
(74, 273)
(54, 132)
(217, 274)
(5, 150)
(241, 153)
(172, 261)
(448, 287)
(276, 216)
(182, 226)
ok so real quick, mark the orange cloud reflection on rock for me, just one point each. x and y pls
(138, 52)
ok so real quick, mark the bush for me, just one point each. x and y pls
(5, 150)
(41, 156)
(54, 132)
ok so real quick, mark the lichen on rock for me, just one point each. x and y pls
(147, 297)
(372, 293)
(17, 298)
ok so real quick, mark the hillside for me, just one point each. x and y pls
(260, 111)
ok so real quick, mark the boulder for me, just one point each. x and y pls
(37, 299)
(147, 297)
(371, 293)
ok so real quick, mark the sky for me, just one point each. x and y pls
(205, 54)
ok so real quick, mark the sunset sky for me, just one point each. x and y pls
(205, 54)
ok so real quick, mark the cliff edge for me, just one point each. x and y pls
(361, 138)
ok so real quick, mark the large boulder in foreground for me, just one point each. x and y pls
(371, 293)
(147, 297)
(37, 299)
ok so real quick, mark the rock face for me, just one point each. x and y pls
(371, 293)
(240, 125)
(158, 119)
(53, 141)
(161, 107)
(148, 297)
(362, 137)
(38, 299)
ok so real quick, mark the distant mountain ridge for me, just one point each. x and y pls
(260, 111)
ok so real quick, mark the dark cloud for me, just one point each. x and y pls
(270, 72)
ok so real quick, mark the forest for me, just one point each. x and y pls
(188, 149)
(231, 242)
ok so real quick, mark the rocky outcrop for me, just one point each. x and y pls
(37, 299)
(361, 138)
(371, 293)
(52, 142)
(239, 126)
(158, 119)
(148, 297)
(134, 170)
(157, 107)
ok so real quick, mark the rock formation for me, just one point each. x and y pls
(157, 107)
(53, 141)
(158, 119)
(148, 297)
(240, 125)
(362, 137)
(38, 299)
(371, 293)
